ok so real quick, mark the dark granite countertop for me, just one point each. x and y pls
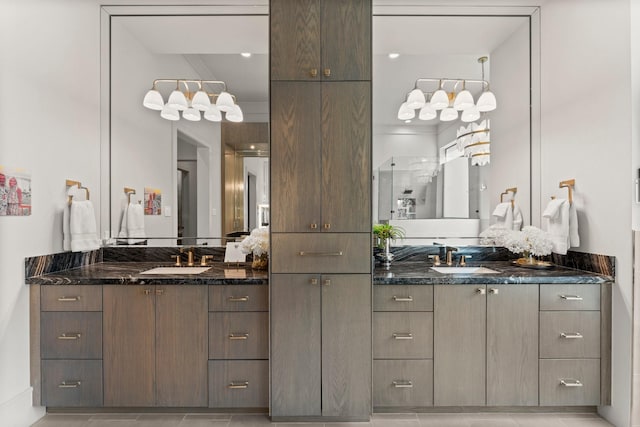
(420, 273)
(128, 273)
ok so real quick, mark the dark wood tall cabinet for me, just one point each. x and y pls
(321, 266)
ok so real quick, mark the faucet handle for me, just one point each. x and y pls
(436, 259)
(463, 259)
(178, 260)
(203, 260)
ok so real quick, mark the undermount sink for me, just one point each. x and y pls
(176, 270)
(464, 270)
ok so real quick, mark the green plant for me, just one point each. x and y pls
(384, 232)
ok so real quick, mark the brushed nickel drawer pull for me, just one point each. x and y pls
(239, 336)
(69, 299)
(303, 253)
(403, 336)
(571, 335)
(402, 384)
(238, 384)
(69, 384)
(571, 297)
(70, 336)
(239, 299)
(570, 382)
(403, 299)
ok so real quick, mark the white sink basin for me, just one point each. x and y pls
(176, 270)
(464, 270)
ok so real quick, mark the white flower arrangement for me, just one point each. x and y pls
(530, 241)
(495, 236)
(257, 242)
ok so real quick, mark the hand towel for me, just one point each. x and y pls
(505, 221)
(517, 218)
(557, 216)
(66, 232)
(123, 223)
(82, 224)
(574, 237)
(501, 210)
(135, 222)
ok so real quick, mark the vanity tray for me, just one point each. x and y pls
(536, 265)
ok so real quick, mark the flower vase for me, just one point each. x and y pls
(260, 262)
(386, 256)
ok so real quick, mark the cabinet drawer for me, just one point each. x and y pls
(321, 253)
(402, 298)
(71, 298)
(569, 297)
(73, 335)
(72, 383)
(402, 335)
(238, 335)
(239, 298)
(238, 383)
(569, 334)
(402, 383)
(569, 382)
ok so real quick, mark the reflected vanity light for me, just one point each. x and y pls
(192, 104)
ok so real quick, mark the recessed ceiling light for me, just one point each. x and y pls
(393, 55)
(407, 121)
(246, 54)
(253, 147)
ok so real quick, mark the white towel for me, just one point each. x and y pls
(557, 224)
(123, 222)
(505, 221)
(66, 232)
(517, 218)
(574, 237)
(82, 224)
(501, 210)
(135, 222)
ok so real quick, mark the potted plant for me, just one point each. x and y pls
(384, 234)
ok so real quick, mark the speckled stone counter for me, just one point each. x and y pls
(128, 273)
(420, 273)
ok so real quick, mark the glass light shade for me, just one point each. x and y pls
(448, 114)
(201, 101)
(191, 114)
(153, 100)
(481, 160)
(415, 99)
(470, 114)
(406, 113)
(487, 102)
(177, 101)
(213, 114)
(439, 100)
(235, 115)
(463, 100)
(225, 102)
(170, 113)
(427, 113)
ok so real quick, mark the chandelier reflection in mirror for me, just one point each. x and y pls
(474, 141)
(450, 97)
(193, 103)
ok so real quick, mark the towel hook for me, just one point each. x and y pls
(72, 183)
(513, 190)
(129, 191)
(569, 183)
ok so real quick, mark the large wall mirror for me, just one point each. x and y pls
(423, 181)
(196, 182)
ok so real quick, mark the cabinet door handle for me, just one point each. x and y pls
(327, 72)
(481, 291)
(313, 281)
(326, 282)
(69, 384)
(327, 226)
(70, 336)
(147, 291)
(494, 291)
(239, 299)
(69, 299)
(159, 291)
(313, 226)
(313, 72)
(571, 297)
(238, 336)
(238, 384)
(303, 253)
(402, 384)
(571, 335)
(403, 299)
(570, 382)
(403, 336)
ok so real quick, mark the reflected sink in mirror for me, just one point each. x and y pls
(464, 270)
(176, 270)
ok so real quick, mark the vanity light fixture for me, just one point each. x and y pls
(448, 97)
(212, 104)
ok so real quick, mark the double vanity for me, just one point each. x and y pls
(106, 335)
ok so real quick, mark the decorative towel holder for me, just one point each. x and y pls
(129, 191)
(568, 184)
(513, 190)
(72, 183)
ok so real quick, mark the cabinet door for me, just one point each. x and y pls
(346, 156)
(346, 39)
(346, 345)
(295, 154)
(295, 39)
(181, 345)
(129, 345)
(459, 349)
(512, 345)
(295, 345)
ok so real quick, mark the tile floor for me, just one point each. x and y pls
(377, 420)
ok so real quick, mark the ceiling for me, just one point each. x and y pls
(429, 46)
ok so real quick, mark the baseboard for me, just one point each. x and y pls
(19, 411)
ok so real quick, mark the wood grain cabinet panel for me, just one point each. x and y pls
(402, 298)
(238, 383)
(569, 382)
(238, 298)
(239, 335)
(402, 383)
(71, 298)
(569, 334)
(71, 335)
(570, 297)
(403, 335)
(69, 383)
